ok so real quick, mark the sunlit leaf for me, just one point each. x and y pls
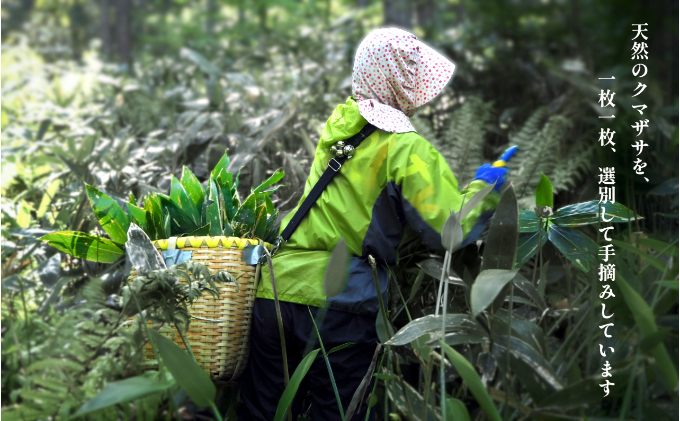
(110, 215)
(273, 179)
(193, 187)
(544, 192)
(181, 199)
(85, 246)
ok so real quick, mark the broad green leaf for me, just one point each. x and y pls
(474, 201)
(193, 187)
(183, 201)
(47, 197)
(668, 284)
(644, 317)
(500, 250)
(528, 221)
(222, 165)
(487, 286)
(110, 215)
(586, 213)
(335, 276)
(660, 246)
(649, 342)
(456, 410)
(133, 199)
(528, 246)
(260, 227)
(430, 325)
(199, 232)
(653, 261)
(278, 175)
(85, 246)
(529, 332)
(180, 222)
(452, 233)
(246, 213)
(531, 368)
(294, 384)
(544, 192)
(272, 231)
(473, 381)
(212, 214)
(154, 218)
(384, 332)
(137, 216)
(188, 374)
(123, 391)
(530, 290)
(580, 249)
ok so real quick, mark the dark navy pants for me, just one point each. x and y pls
(261, 385)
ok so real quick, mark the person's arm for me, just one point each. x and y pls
(430, 192)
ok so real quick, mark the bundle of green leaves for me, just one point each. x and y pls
(190, 210)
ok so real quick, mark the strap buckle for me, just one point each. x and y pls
(337, 163)
(279, 241)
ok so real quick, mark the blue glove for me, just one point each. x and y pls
(496, 172)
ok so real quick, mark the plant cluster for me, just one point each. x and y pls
(190, 210)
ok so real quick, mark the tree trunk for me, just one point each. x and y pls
(105, 24)
(123, 37)
(398, 13)
(210, 18)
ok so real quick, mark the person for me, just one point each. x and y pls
(394, 178)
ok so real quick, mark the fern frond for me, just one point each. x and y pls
(462, 143)
(539, 141)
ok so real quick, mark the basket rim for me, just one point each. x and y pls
(218, 241)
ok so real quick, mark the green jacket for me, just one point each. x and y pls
(393, 179)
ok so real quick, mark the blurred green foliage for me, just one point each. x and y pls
(121, 94)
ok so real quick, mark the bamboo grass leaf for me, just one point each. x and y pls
(294, 384)
(123, 391)
(193, 187)
(184, 202)
(186, 371)
(85, 246)
(335, 276)
(487, 287)
(586, 213)
(575, 246)
(473, 381)
(544, 192)
(110, 215)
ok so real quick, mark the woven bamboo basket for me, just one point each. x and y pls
(219, 332)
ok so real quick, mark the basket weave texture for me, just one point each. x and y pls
(219, 332)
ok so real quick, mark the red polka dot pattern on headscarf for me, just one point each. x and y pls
(393, 75)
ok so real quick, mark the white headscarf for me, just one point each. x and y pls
(393, 75)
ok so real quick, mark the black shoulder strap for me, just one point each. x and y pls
(333, 167)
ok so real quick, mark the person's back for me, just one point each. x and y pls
(394, 178)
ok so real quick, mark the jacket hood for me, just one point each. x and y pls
(345, 122)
